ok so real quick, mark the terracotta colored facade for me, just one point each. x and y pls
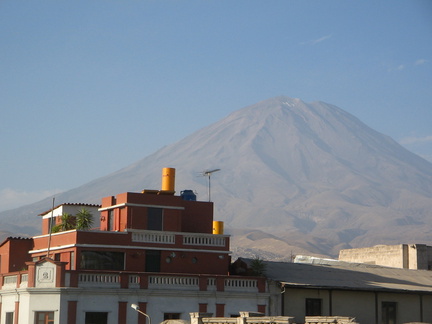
(154, 248)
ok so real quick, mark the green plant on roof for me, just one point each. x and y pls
(84, 219)
(67, 222)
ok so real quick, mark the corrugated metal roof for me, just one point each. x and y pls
(352, 276)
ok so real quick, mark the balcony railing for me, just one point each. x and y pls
(186, 238)
(11, 282)
(153, 237)
(173, 282)
(91, 279)
(240, 284)
(98, 280)
(207, 240)
(163, 282)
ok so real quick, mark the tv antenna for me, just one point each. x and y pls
(208, 174)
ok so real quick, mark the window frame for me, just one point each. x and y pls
(97, 263)
(312, 305)
(153, 260)
(155, 218)
(387, 308)
(104, 320)
(170, 316)
(46, 317)
(9, 317)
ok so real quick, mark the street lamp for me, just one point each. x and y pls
(136, 307)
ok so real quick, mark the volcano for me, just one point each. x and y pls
(295, 178)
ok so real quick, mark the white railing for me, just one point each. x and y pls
(157, 282)
(134, 281)
(241, 284)
(10, 281)
(24, 280)
(211, 284)
(153, 237)
(98, 279)
(171, 282)
(170, 238)
(207, 240)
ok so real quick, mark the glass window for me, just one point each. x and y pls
(72, 260)
(111, 220)
(169, 316)
(153, 260)
(96, 318)
(388, 312)
(9, 318)
(44, 318)
(313, 306)
(154, 219)
(102, 260)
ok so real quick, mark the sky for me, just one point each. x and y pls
(88, 87)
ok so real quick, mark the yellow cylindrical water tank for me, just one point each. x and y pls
(218, 227)
(168, 179)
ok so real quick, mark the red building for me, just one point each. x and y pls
(156, 249)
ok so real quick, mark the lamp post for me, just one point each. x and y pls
(136, 307)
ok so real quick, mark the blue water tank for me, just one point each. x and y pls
(188, 195)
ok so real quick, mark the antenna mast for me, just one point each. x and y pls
(208, 173)
(50, 228)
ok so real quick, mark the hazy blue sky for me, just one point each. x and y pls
(88, 87)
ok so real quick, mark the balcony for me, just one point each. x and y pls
(186, 239)
(153, 237)
(153, 281)
(90, 279)
(15, 280)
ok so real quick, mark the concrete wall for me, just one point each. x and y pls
(407, 256)
(354, 304)
(295, 305)
(157, 302)
(386, 255)
(361, 305)
(420, 256)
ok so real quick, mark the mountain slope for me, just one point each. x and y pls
(310, 175)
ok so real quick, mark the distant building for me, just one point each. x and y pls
(160, 251)
(405, 256)
(329, 288)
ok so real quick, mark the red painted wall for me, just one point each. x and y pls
(14, 254)
(192, 216)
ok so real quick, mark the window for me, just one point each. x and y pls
(102, 260)
(44, 318)
(152, 262)
(51, 223)
(96, 318)
(169, 316)
(388, 310)
(111, 220)
(72, 260)
(9, 318)
(154, 219)
(313, 306)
